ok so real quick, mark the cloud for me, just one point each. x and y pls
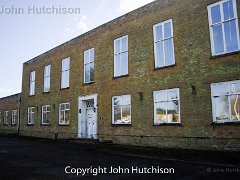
(129, 5)
(81, 24)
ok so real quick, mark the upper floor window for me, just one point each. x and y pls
(226, 101)
(65, 73)
(46, 114)
(46, 80)
(224, 30)
(5, 118)
(64, 114)
(14, 117)
(31, 115)
(89, 65)
(163, 44)
(166, 106)
(32, 83)
(121, 109)
(121, 56)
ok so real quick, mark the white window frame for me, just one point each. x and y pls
(164, 39)
(229, 97)
(120, 53)
(222, 22)
(47, 79)
(32, 80)
(155, 102)
(65, 109)
(14, 117)
(121, 96)
(45, 112)
(31, 115)
(5, 118)
(88, 62)
(65, 76)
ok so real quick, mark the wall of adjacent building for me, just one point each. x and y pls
(193, 73)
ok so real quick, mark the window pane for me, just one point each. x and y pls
(235, 107)
(124, 44)
(67, 106)
(218, 39)
(117, 46)
(67, 78)
(173, 111)
(158, 31)
(168, 47)
(167, 30)
(48, 117)
(87, 72)
(159, 53)
(222, 108)
(126, 114)
(228, 10)
(86, 57)
(231, 36)
(117, 100)
(62, 117)
(172, 94)
(92, 72)
(67, 117)
(117, 65)
(91, 55)
(126, 100)
(117, 114)
(221, 89)
(235, 88)
(161, 109)
(161, 96)
(216, 15)
(124, 63)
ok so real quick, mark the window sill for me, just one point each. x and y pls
(168, 124)
(62, 89)
(88, 83)
(13, 125)
(225, 123)
(46, 92)
(116, 77)
(44, 124)
(225, 54)
(63, 124)
(31, 95)
(164, 67)
(30, 124)
(116, 125)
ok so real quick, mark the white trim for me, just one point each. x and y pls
(32, 80)
(46, 106)
(30, 113)
(88, 50)
(67, 70)
(5, 118)
(59, 119)
(46, 77)
(154, 105)
(14, 111)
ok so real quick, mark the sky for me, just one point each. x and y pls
(24, 34)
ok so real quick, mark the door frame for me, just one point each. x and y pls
(81, 116)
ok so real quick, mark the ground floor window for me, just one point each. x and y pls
(31, 115)
(121, 109)
(46, 114)
(166, 106)
(14, 117)
(0, 118)
(226, 101)
(64, 114)
(5, 118)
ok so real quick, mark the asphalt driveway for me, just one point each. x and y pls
(23, 158)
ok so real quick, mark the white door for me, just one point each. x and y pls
(87, 118)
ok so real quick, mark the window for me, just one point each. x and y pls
(32, 83)
(64, 114)
(223, 24)
(89, 65)
(0, 118)
(14, 117)
(31, 115)
(5, 118)
(46, 114)
(121, 109)
(121, 56)
(46, 80)
(163, 44)
(65, 73)
(226, 101)
(166, 106)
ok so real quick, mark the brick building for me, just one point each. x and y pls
(166, 75)
(9, 114)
